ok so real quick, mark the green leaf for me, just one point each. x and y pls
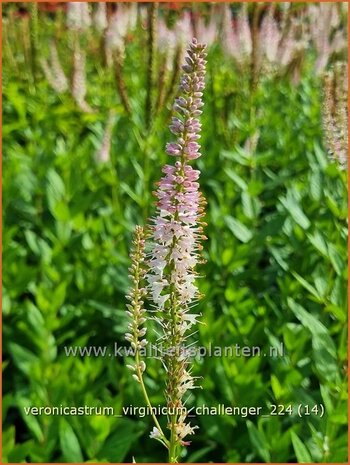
(295, 211)
(324, 348)
(318, 241)
(58, 296)
(20, 452)
(276, 387)
(251, 206)
(301, 452)
(316, 185)
(307, 286)
(24, 359)
(31, 239)
(60, 211)
(238, 229)
(55, 185)
(236, 178)
(30, 420)
(336, 259)
(69, 443)
(277, 255)
(259, 442)
(119, 443)
(199, 454)
(38, 246)
(8, 441)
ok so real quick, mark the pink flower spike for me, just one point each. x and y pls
(176, 237)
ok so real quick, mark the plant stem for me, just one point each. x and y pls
(172, 449)
(145, 395)
(124, 98)
(152, 19)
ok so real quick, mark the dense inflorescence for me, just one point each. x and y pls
(173, 253)
(135, 307)
(177, 233)
(335, 113)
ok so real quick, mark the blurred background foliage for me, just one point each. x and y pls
(78, 175)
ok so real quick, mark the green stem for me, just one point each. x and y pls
(172, 449)
(146, 175)
(173, 418)
(148, 402)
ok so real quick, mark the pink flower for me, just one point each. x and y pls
(177, 232)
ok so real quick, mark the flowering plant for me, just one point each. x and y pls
(166, 274)
(335, 113)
